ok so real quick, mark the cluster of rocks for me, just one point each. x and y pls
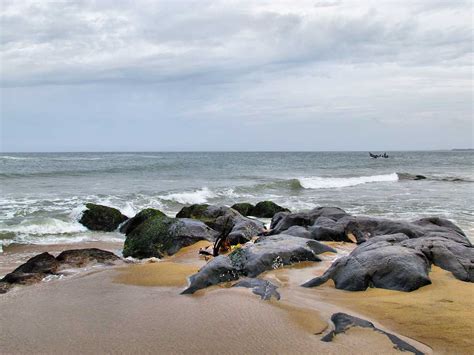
(391, 254)
(153, 234)
(45, 264)
(394, 255)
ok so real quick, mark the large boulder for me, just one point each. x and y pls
(266, 253)
(267, 209)
(159, 236)
(449, 255)
(139, 218)
(102, 218)
(380, 262)
(239, 229)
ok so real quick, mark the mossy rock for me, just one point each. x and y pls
(102, 218)
(267, 209)
(160, 236)
(139, 218)
(196, 211)
(244, 208)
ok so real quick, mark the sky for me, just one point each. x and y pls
(316, 75)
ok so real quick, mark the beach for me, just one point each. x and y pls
(136, 305)
(137, 308)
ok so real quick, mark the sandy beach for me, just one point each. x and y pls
(137, 308)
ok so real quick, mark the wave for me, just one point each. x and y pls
(9, 157)
(197, 196)
(45, 226)
(62, 239)
(338, 182)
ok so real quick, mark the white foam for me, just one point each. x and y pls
(64, 239)
(197, 196)
(337, 182)
(44, 226)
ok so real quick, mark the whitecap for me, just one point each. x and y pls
(9, 157)
(337, 182)
(44, 226)
(197, 196)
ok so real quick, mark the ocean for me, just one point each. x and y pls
(43, 194)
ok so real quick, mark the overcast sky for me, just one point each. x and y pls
(114, 75)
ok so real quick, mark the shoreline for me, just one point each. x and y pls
(303, 313)
(137, 306)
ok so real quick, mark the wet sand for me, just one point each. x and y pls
(440, 315)
(137, 308)
(93, 314)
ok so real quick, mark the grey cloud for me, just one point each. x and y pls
(203, 66)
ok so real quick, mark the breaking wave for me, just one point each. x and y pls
(44, 226)
(338, 182)
(197, 196)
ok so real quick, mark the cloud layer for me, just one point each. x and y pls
(273, 71)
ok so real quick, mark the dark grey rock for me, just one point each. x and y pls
(447, 254)
(102, 218)
(238, 228)
(34, 270)
(264, 288)
(343, 322)
(266, 253)
(45, 264)
(380, 262)
(83, 257)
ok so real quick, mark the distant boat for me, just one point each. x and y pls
(375, 156)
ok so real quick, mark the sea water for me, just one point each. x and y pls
(43, 194)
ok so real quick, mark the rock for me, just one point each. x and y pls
(158, 236)
(333, 224)
(45, 264)
(266, 253)
(102, 218)
(267, 209)
(282, 221)
(244, 208)
(239, 229)
(265, 289)
(139, 218)
(220, 269)
(447, 254)
(298, 231)
(343, 322)
(380, 262)
(83, 257)
(34, 270)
